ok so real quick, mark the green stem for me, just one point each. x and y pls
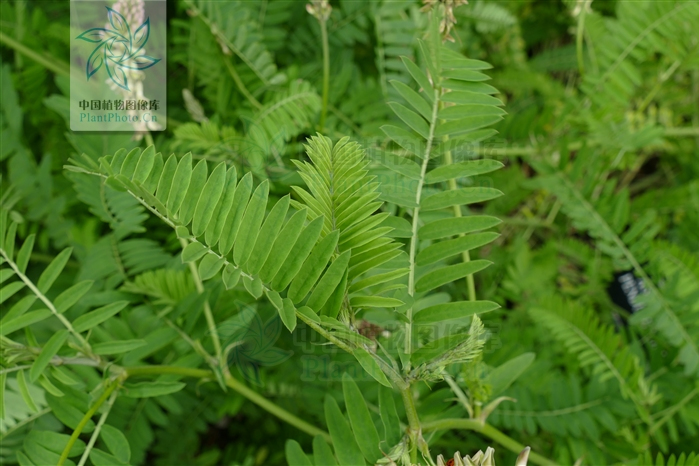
(326, 72)
(414, 431)
(579, 34)
(239, 82)
(20, 8)
(460, 395)
(236, 385)
(149, 138)
(673, 410)
(695, 96)
(272, 408)
(207, 308)
(687, 131)
(14, 369)
(526, 151)
(168, 370)
(488, 431)
(465, 256)
(58, 68)
(416, 223)
(225, 41)
(24, 422)
(81, 425)
(661, 80)
(98, 428)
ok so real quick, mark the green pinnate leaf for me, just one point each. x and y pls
(235, 215)
(167, 177)
(460, 310)
(448, 274)
(370, 365)
(329, 282)
(179, 184)
(346, 447)
(72, 295)
(389, 416)
(151, 389)
(283, 245)
(210, 266)
(300, 250)
(413, 98)
(365, 432)
(144, 165)
(53, 270)
(322, 453)
(96, 317)
(191, 198)
(24, 391)
(267, 235)
(250, 224)
(445, 249)
(505, 374)
(254, 286)
(116, 442)
(47, 352)
(118, 347)
(457, 226)
(295, 455)
(25, 253)
(231, 275)
(287, 312)
(210, 196)
(193, 252)
(313, 267)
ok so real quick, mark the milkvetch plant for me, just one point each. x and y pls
(387, 233)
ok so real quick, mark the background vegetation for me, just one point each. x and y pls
(111, 344)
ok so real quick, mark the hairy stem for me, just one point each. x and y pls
(416, 223)
(414, 431)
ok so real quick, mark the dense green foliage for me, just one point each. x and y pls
(373, 232)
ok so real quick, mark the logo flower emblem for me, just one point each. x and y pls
(118, 49)
(249, 343)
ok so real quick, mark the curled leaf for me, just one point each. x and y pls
(141, 62)
(119, 23)
(94, 35)
(140, 37)
(117, 74)
(95, 62)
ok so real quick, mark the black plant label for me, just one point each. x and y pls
(624, 290)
